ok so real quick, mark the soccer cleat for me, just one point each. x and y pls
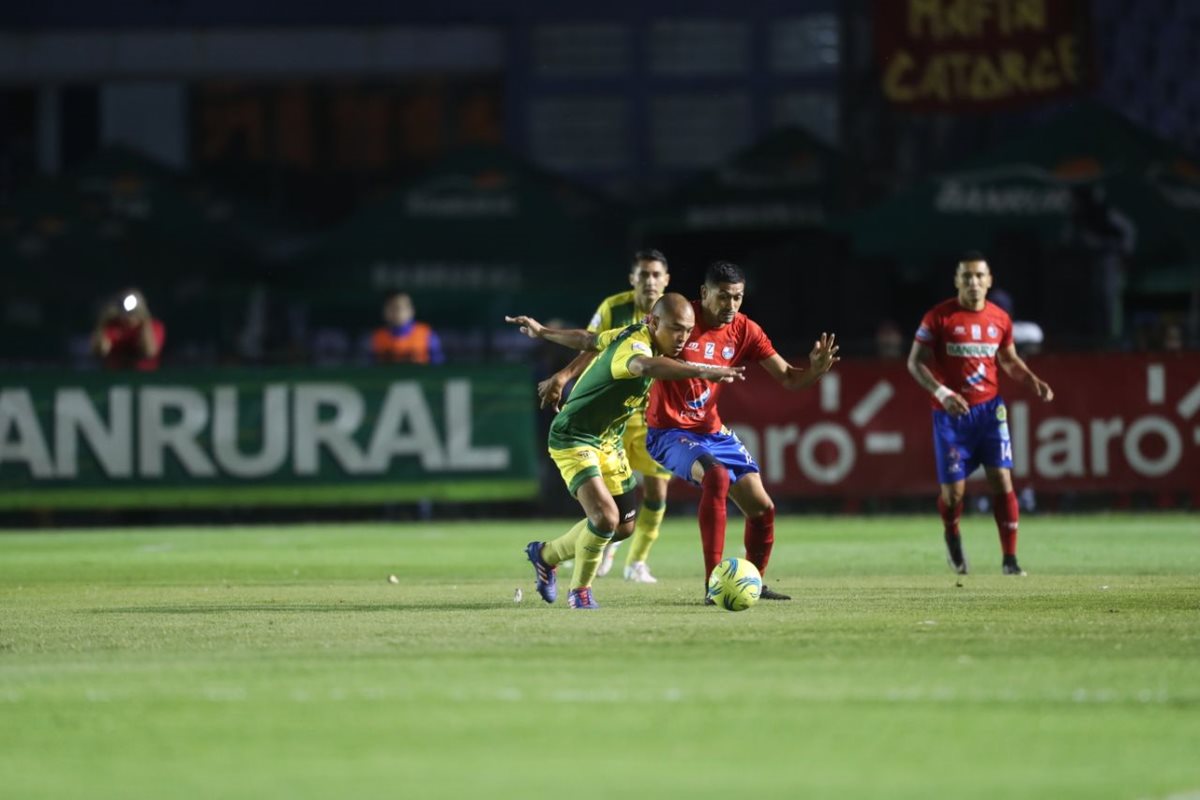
(581, 598)
(768, 594)
(708, 601)
(1011, 567)
(955, 556)
(606, 562)
(638, 572)
(545, 576)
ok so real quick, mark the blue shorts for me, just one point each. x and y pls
(960, 444)
(677, 450)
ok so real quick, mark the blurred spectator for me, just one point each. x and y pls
(127, 336)
(1027, 335)
(402, 339)
(1172, 338)
(889, 340)
(1106, 237)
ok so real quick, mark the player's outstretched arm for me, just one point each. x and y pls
(1015, 367)
(820, 360)
(576, 339)
(550, 390)
(919, 359)
(668, 369)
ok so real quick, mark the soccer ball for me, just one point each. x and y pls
(735, 584)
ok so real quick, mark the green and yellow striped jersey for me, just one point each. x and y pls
(607, 393)
(615, 311)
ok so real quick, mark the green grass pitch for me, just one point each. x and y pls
(280, 662)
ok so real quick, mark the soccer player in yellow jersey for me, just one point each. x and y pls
(585, 437)
(649, 276)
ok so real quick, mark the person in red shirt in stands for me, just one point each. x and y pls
(403, 340)
(127, 336)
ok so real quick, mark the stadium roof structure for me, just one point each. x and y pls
(789, 179)
(481, 234)
(1025, 186)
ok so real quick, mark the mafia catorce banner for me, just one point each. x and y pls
(963, 55)
(263, 437)
(1117, 423)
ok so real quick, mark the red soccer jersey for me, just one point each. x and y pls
(125, 352)
(964, 345)
(692, 404)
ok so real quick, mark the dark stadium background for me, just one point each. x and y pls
(266, 171)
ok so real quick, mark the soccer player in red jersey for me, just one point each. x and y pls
(954, 357)
(685, 433)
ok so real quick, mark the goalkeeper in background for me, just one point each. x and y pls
(649, 277)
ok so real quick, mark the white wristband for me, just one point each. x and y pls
(941, 393)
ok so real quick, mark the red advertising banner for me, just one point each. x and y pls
(1118, 423)
(956, 55)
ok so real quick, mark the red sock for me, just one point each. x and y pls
(760, 538)
(950, 516)
(1007, 514)
(714, 491)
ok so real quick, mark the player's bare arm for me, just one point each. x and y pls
(820, 360)
(1015, 367)
(550, 390)
(576, 339)
(919, 359)
(670, 369)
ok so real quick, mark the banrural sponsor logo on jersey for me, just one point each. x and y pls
(971, 350)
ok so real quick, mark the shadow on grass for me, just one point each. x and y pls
(292, 608)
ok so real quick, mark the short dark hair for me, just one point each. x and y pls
(971, 255)
(724, 272)
(649, 255)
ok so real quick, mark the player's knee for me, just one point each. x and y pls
(624, 530)
(952, 496)
(605, 519)
(766, 508)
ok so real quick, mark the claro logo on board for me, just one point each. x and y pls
(828, 451)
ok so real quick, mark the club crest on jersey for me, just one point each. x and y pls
(701, 400)
(727, 352)
(992, 332)
(709, 349)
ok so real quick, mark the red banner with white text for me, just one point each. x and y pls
(1118, 422)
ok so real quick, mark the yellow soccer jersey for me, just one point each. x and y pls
(607, 393)
(616, 311)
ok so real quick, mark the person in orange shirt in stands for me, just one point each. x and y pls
(403, 340)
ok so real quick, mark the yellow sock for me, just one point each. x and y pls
(589, 548)
(645, 532)
(560, 549)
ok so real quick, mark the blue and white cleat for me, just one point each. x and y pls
(581, 598)
(545, 576)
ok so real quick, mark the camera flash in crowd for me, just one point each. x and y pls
(130, 302)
